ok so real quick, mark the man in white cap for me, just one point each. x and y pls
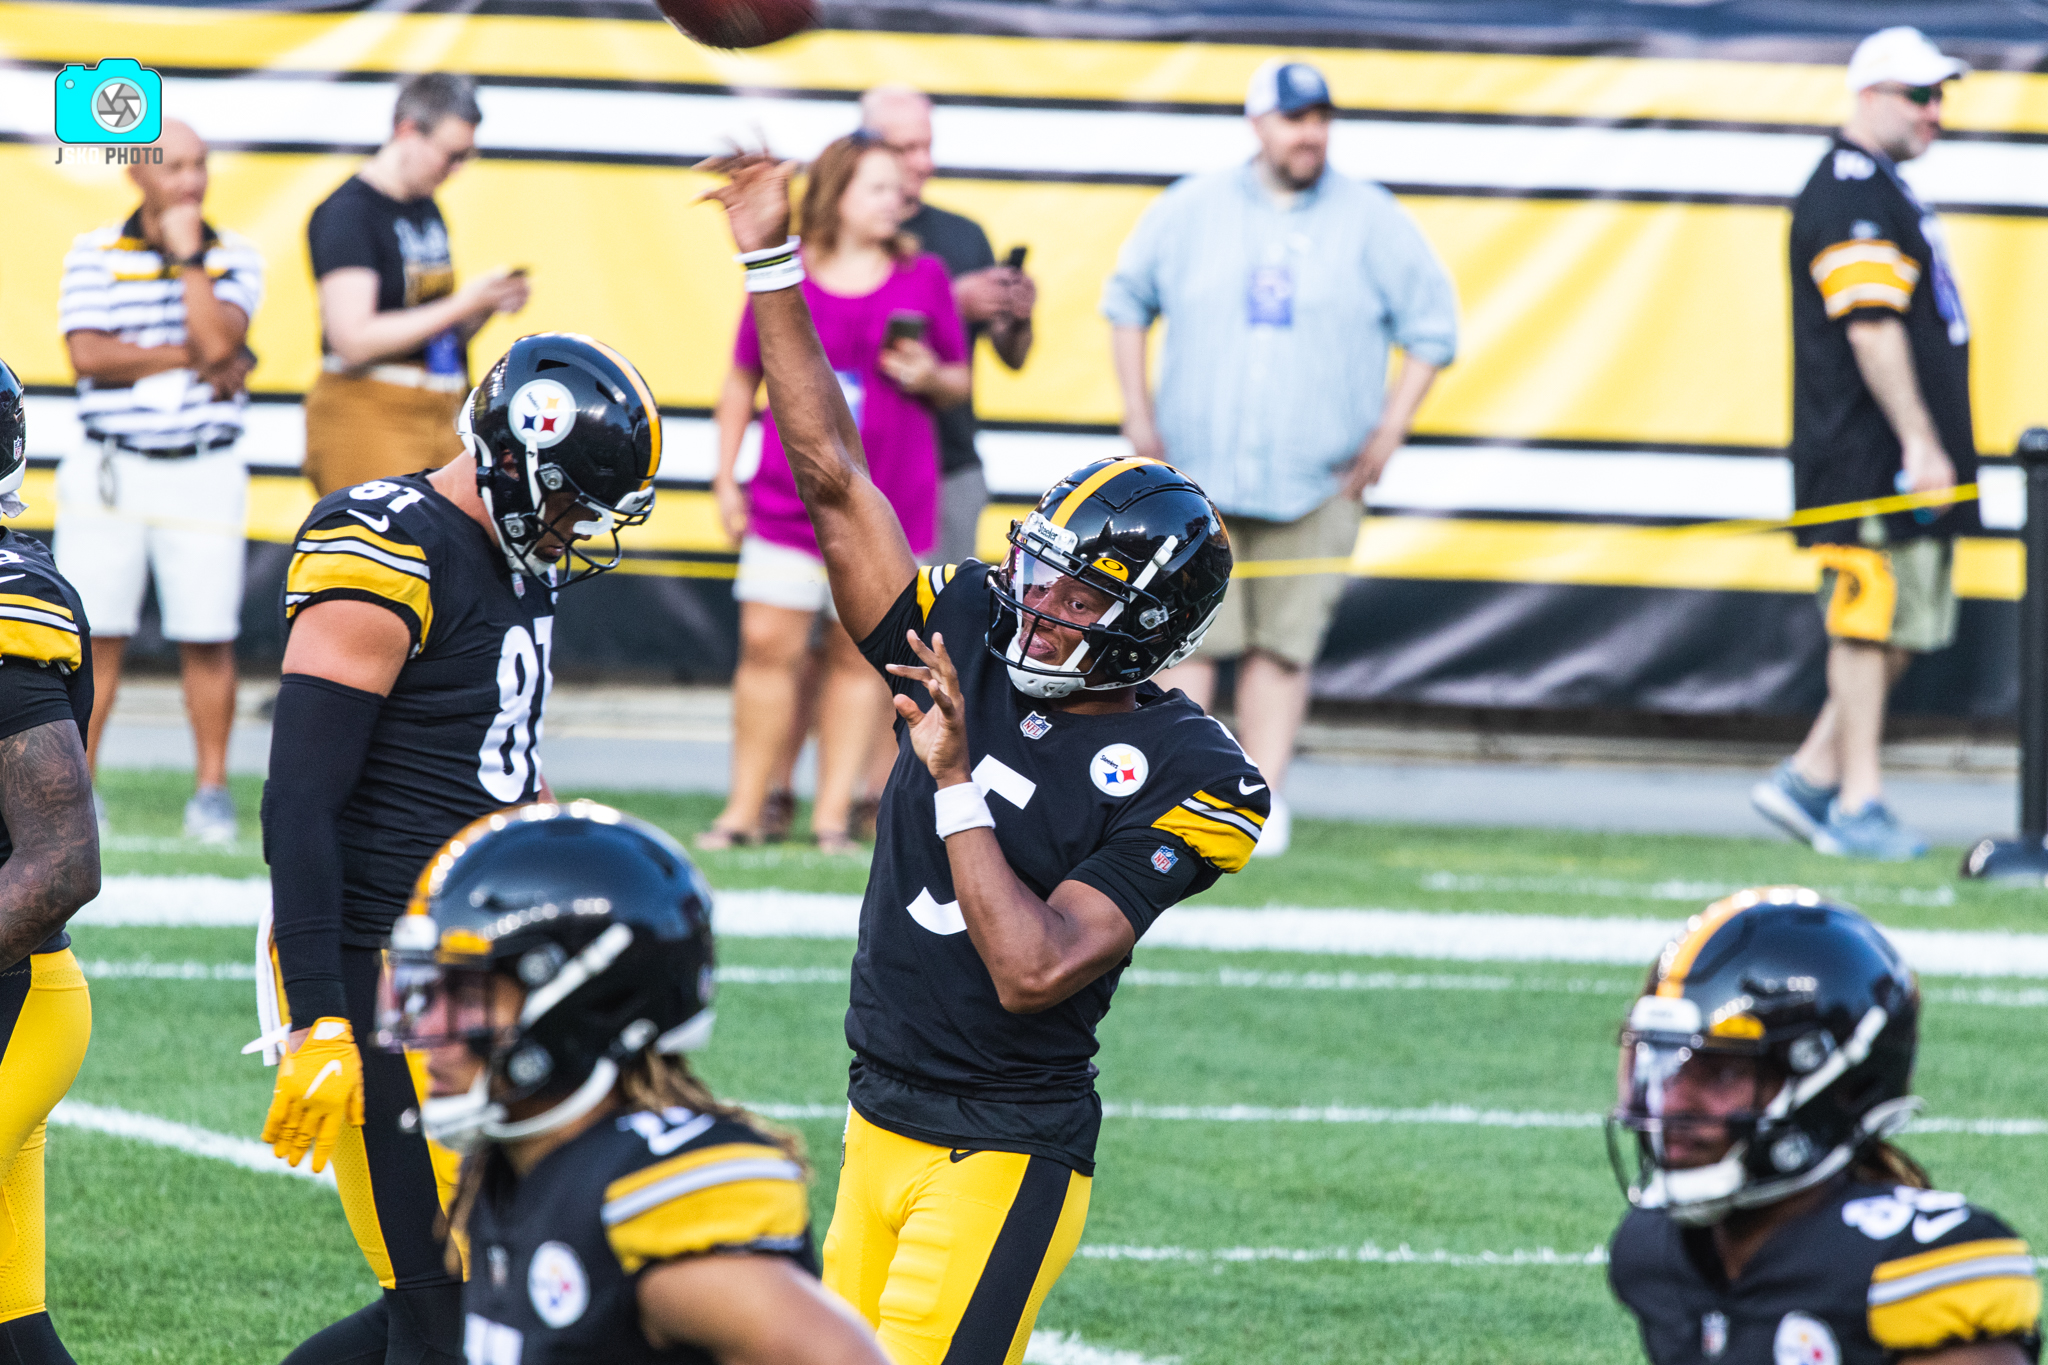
(1272, 394)
(1880, 406)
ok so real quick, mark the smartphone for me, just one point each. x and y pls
(905, 326)
(1016, 258)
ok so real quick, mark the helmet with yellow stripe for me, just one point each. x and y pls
(566, 439)
(1124, 562)
(560, 944)
(1772, 1048)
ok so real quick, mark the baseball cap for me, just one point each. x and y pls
(1901, 54)
(1286, 88)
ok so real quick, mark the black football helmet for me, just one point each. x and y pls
(13, 435)
(601, 918)
(1136, 529)
(560, 411)
(1819, 1002)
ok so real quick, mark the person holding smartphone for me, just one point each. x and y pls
(894, 338)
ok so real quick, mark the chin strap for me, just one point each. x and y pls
(581, 1101)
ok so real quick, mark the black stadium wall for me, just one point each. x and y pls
(1606, 181)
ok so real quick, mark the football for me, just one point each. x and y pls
(740, 23)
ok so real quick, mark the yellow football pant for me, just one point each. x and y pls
(948, 1254)
(46, 1021)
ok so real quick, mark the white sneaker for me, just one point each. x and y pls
(210, 816)
(1278, 831)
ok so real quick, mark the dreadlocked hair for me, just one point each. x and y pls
(649, 1082)
(1883, 1164)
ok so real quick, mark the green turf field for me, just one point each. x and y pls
(1270, 1238)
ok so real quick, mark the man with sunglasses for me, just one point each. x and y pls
(1880, 406)
(394, 329)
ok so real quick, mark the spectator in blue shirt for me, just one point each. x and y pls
(1284, 283)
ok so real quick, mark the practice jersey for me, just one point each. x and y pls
(1147, 806)
(1868, 1275)
(45, 666)
(456, 737)
(1862, 246)
(556, 1255)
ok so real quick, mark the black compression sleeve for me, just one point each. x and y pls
(319, 738)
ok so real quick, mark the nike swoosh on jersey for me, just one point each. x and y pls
(1246, 790)
(1926, 1229)
(333, 1068)
(377, 524)
(10, 578)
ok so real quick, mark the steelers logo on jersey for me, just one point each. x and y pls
(1118, 769)
(542, 413)
(556, 1283)
(1804, 1340)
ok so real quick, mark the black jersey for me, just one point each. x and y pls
(1862, 246)
(456, 737)
(555, 1256)
(1869, 1274)
(1148, 807)
(45, 668)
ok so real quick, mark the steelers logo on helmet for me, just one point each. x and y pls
(1119, 769)
(543, 413)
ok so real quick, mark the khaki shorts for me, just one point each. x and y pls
(1900, 595)
(363, 429)
(1284, 617)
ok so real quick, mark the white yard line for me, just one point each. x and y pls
(179, 1137)
(1368, 1254)
(1460, 936)
(1066, 1348)
(1671, 889)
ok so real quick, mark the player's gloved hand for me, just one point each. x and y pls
(319, 1088)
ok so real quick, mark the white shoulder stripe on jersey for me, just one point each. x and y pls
(11, 612)
(661, 1192)
(1221, 817)
(1981, 1268)
(352, 546)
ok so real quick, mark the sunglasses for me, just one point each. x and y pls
(1922, 95)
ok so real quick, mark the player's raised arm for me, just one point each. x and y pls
(867, 558)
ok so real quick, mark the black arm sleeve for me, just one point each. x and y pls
(885, 644)
(319, 739)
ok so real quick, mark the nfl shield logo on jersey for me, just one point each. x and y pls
(1118, 769)
(1804, 1340)
(1713, 1335)
(1163, 859)
(1034, 726)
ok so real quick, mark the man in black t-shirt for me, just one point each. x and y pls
(1881, 405)
(394, 329)
(994, 300)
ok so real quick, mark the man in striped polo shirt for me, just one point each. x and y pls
(155, 310)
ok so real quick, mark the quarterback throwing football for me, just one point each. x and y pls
(421, 612)
(1047, 805)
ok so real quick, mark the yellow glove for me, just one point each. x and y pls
(319, 1088)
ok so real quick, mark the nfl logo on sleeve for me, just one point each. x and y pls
(1163, 859)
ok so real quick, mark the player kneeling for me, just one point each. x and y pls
(1761, 1074)
(554, 965)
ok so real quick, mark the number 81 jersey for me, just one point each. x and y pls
(456, 737)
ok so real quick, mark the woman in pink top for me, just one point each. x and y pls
(863, 273)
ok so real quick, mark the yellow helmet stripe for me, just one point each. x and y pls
(647, 398)
(1682, 954)
(1073, 500)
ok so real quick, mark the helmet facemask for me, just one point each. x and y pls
(1104, 658)
(1721, 1123)
(429, 997)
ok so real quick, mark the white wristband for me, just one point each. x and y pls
(773, 267)
(961, 807)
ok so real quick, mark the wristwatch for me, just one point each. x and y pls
(197, 258)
